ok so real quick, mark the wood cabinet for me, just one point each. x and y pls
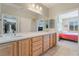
(45, 43)
(8, 49)
(55, 41)
(36, 46)
(24, 47)
(52, 40)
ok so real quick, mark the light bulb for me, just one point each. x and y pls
(33, 5)
(37, 7)
(40, 8)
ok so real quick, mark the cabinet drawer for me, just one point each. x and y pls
(35, 44)
(51, 41)
(37, 47)
(36, 39)
(8, 49)
(37, 52)
(24, 47)
(46, 43)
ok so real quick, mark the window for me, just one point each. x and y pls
(73, 26)
(76, 26)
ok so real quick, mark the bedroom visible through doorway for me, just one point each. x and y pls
(68, 27)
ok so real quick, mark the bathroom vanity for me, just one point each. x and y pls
(30, 44)
(23, 44)
(20, 35)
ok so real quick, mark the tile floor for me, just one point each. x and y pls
(64, 48)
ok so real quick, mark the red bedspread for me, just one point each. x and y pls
(69, 37)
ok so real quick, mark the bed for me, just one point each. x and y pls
(69, 36)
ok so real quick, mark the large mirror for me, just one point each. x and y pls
(9, 24)
(0, 25)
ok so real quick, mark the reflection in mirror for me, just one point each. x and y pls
(0, 26)
(9, 24)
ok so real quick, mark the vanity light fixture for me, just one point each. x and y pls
(33, 5)
(40, 8)
(37, 7)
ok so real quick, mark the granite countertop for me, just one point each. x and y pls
(20, 36)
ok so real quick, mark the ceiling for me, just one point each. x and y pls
(49, 5)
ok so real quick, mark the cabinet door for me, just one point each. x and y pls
(8, 49)
(51, 43)
(24, 47)
(54, 39)
(46, 43)
(37, 46)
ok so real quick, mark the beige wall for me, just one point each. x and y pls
(62, 8)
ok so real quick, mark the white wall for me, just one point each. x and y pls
(34, 25)
(25, 24)
(61, 9)
(65, 18)
(44, 12)
(65, 24)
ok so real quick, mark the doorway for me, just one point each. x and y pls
(67, 27)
